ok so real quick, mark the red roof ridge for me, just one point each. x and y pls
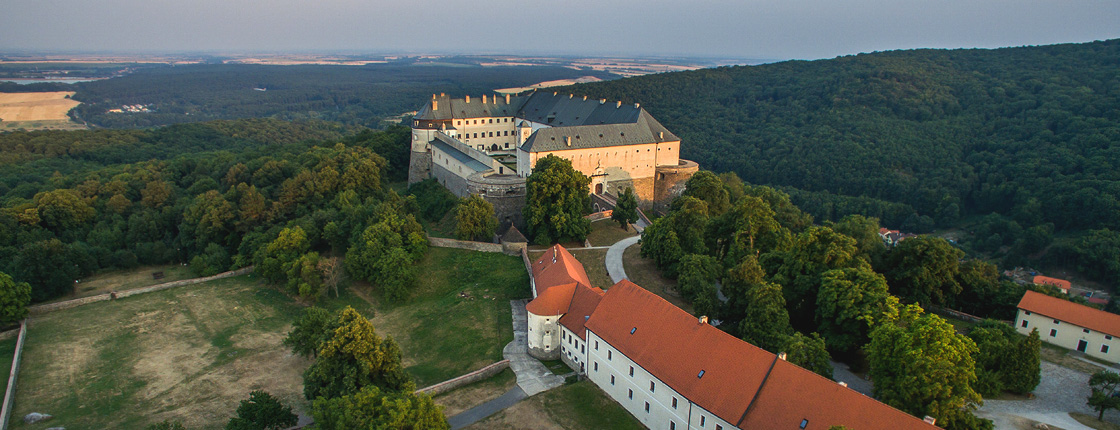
(545, 273)
(1070, 312)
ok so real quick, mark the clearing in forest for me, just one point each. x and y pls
(49, 106)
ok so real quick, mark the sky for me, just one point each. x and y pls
(758, 29)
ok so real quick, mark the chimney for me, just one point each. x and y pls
(704, 319)
(484, 99)
(661, 135)
(930, 420)
(601, 101)
(584, 98)
(435, 105)
(568, 140)
(507, 99)
(570, 96)
(554, 93)
(468, 99)
(637, 105)
(618, 105)
(782, 356)
(433, 96)
(843, 384)
(443, 94)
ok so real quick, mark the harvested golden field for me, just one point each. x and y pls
(36, 106)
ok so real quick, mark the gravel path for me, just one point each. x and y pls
(1061, 391)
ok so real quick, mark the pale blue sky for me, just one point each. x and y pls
(743, 29)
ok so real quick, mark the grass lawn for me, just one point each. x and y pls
(119, 280)
(1061, 356)
(187, 354)
(1093, 422)
(579, 405)
(7, 352)
(469, 396)
(458, 318)
(606, 232)
(444, 228)
(644, 272)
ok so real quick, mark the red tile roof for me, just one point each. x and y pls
(676, 347)
(558, 267)
(553, 301)
(1070, 312)
(584, 302)
(1046, 280)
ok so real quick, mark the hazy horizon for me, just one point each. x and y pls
(762, 30)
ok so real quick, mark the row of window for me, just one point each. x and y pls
(484, 121)
(484, 135)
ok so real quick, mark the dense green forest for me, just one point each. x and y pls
(918, 138)
(360, 95)
(215, 195)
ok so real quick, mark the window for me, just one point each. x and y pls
(719, 427)
(1057, 322)
(630, 394)
(631, 370)
(651, 386)
(647, 407)
(804, 423)
(612, 379)
(702, 420)
(596, 366)
(1107, 337)
(675, 406)
(596, 345)
(672, 425)
(1024, 324)
(608, 355)
(701, 375)
(1028, 312)
(1085, 330)
(1104, 349)
(1053, 332)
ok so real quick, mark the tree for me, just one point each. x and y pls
(310, 331)
(697, 283)
(274, 261)
(474, 219)
(923, 367)
(304, 277)
(850, 303)
(1106, 391)
(373, 408)
(924, 269)
(766, 322)
(556, 199)
(353, 357)
(1023, 371)
(810, 353)
(626, 209)
(62, 209)
(262, 412)
(814, 252)
(706, 186)
(385, 257)
(49, 265)
(866, 233)
(14, 298)
(333, 273)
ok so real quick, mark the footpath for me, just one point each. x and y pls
(532, 376)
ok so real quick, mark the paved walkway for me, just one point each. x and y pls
(532, 376)
(1060, 392)
(614, 258)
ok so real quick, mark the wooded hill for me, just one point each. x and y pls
(917, 138)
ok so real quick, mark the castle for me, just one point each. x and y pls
(489, 145)
(673, 371)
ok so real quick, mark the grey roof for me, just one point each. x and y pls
(562, 110)
(460, 156)
(644, 130)
(449, 108)
(513, 235)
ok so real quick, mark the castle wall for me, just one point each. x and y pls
(419, 166)
(505, 192)
(450, 180)
(670, 182)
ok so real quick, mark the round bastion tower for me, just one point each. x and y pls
(423, 132)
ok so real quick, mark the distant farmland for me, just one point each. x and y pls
(36, 110)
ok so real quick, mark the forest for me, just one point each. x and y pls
(1017, 145)
(355, 95)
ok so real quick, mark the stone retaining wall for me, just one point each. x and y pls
(51, 307)
(464, 244)
(10, 393)
(478, 375)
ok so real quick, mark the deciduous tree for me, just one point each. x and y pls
(766, 322)
(1105, 385)
(924, 269)
(809, 352)
(626, 209)
(14, 298)
(374, 408)
(310, 331)
(262, 411)
(352, 358)
(474, 219)
(556, 200)
(849, 305)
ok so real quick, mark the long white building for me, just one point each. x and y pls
(673, 371)
(1070, 325)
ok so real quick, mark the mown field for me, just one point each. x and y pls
(191, 353)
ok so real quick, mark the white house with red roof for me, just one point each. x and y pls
(674, 371)
(1070, 325)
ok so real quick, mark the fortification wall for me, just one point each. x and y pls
(440, 242)
(644, 189)
(505, 192)
(419, 166)
(478, 375)
(450, 180)
(670, 181)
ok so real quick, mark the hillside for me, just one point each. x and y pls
(1024, 132)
